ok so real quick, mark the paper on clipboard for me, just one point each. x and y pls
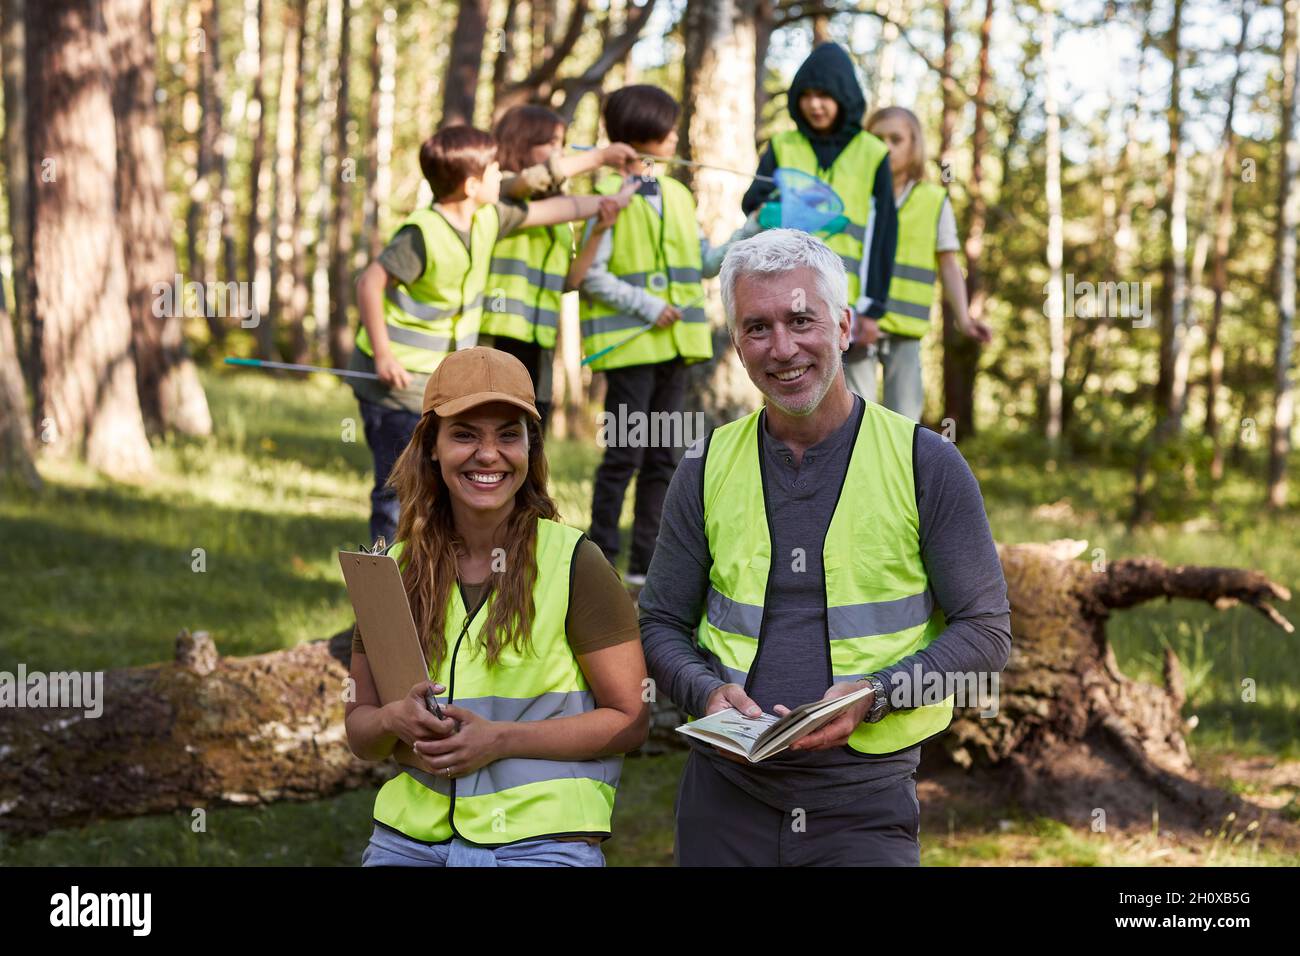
(387, 630)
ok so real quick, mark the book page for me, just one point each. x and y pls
(732, 725)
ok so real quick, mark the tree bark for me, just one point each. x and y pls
(958, 370)
(461, 88)
(196, 732)
(257, 264)
(171, 395)
(329, 166)
(379, 144)
(17, 446)
(1171, 387)
(16, 162)
(1056, 290)
(962, 353)
(1222, 239)
(1288, 201)
(205, 731)
(340, 344)
(288, 277)
(87, 400)
(717, 127)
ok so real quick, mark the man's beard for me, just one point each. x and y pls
(824, 386)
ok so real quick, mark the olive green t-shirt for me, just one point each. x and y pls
(601, 614)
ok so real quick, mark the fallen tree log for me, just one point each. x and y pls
(1071, 733)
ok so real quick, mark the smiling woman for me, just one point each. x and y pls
(544, 692)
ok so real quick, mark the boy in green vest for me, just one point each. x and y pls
(422, 297)
(645, 275)
(826, 104)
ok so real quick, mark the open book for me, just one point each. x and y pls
(758, 738)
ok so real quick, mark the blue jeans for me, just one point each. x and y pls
(387, 848)
(388, 432)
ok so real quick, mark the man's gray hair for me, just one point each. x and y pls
(783, 250)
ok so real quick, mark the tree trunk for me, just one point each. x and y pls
(221, 210)
(87, 400)
(1288, 217)
(288, 280)
(16, 163)
(340, 344)
(1055, 232)
(961, 351)
(17, 446)
(171, 395)
(717, 127)
(198, 731)
(329, 166)
(463, 65)
(958, 370)
(207, 731)
(763, 27)
(379, 144)
(1222, 239)
(1171, 388)
(257, 264)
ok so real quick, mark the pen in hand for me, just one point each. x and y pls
(431, 702)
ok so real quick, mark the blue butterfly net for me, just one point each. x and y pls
(807, 203)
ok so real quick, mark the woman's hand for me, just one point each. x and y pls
(476, 744)
(411, 720)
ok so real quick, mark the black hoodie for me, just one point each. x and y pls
(829, 69)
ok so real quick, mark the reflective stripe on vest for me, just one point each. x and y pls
(515, 798)
(439, 312)
(879, 607)
(852, 176)
(911, 290)
(662, 255)
(525, 284)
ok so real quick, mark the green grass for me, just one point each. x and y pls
(102, 575)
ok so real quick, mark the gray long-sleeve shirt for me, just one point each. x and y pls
(965, 579)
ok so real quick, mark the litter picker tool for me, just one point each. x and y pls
(290, 367)
(632, 335)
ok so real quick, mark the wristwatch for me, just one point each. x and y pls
(879, 700)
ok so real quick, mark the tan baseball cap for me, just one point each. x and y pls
(476, 376)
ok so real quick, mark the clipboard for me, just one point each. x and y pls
(388, 632)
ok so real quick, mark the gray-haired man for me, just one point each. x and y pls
(814, 544)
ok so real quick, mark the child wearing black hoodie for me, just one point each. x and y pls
(827, 104)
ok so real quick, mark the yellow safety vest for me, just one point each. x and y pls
(879, 608)
(911, 290)
(516, 798)
(525, 283)
(661, 254)
(853, 177)
(439, 312)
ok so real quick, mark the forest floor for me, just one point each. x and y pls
(236, 535)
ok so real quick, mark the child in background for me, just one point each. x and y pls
(927, 244)
(826, 104)
(645, 270)
(527, 277)
(422, 298)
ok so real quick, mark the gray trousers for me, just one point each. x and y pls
(718, 824)
(901, 359)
